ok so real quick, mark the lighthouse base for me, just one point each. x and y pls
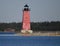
(26, 31)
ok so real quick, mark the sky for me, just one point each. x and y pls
(40, 10)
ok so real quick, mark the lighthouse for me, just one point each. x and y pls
(26, 27)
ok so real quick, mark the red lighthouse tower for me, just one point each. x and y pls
(26, 20)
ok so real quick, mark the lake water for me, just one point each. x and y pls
(29, 40)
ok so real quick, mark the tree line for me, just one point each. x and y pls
(35, 26)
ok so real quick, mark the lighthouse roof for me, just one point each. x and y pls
(26, 5)
(26, 8)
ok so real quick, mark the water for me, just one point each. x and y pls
(7, 33)
(29, 40)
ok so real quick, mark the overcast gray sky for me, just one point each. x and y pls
(41, 10)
